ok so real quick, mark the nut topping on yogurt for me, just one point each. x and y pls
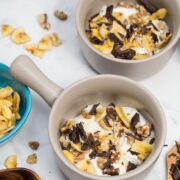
(107, 140)
(129, 31)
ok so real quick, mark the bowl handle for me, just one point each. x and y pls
(25, 70)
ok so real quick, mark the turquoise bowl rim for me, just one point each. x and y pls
(25, 116)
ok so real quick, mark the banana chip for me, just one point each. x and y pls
(87, 166)
(5, 92)
(45, 43)
(9, 109)
(55, 39)
(160, 14)
(11, 162)
(123, 116)
(19, 36)
(33, 49)
(69, 156)
(143, 148)
(7, 30)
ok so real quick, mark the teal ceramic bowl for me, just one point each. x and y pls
(6, 79)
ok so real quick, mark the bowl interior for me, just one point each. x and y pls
(106, 89)
(88, 8)
(6, 79)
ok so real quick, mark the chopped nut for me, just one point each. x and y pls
(11, 162)
(32, 159)
(43, 21)
(61, 15)
(79, 157)
(144, 130)
(100, 162)
(34, 145)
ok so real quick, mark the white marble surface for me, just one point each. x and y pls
(65, 65)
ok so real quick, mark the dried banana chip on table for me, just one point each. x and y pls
(7, 30)
(33, 48)
(19, 36)
(11, 162)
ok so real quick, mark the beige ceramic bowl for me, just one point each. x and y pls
(103, 88)
(136, 69)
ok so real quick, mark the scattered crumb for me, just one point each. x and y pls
(34, 145)
(32, 159)
(61, 15)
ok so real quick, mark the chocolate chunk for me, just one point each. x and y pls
(74, 136)
(127, 54)
(111, 112)
(111, 171)
(104, 154)
(134, 120)
(85, 147)
(152, 141)
(115, 39)
(111, 146)
(93, 154)
(178, 147)
(175, 170)
(81, 131)
(130, 31)
(107, 120)
(131, 167)
(107, 164)
(133, 152)
(67, 131)
(116, 50)
(112, 104)
(93, 110)
(148, 6)
(91, 142)
(95, 40)
(109, 11)
(154, 37)
(151, 24)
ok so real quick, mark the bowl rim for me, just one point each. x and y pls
(23, 119)
(80, 31)
(150, 161)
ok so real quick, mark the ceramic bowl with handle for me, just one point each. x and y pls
(102, 88)
(135, 69)
(6, 79)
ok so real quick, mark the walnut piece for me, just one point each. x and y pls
(43, 21)
(32, 159)
(61, 15)
(144, 130)
(34, 145)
